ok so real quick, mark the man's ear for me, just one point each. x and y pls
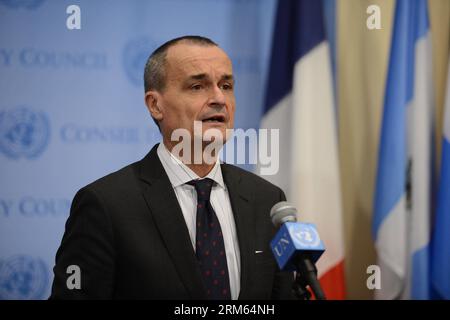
(153, 102)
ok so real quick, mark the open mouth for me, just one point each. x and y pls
(215, 119)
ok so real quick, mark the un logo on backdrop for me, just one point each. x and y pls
(135, 55)
(22, 278)
(23, 132)
(28, 4)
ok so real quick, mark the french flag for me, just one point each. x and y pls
(402, 206)
(300, 103)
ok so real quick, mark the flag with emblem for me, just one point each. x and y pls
(402, 204)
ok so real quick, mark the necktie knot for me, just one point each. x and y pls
(203, 188)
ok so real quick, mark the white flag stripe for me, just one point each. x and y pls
(315, 184)
(420, 140)
(390, 245)
(279, 117)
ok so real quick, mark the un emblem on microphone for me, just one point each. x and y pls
(135, 55)
(23, 133)
(28, 4)
(307, 236)
(23, 278)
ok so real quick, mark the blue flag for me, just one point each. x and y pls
(402, 207)
(441, 237)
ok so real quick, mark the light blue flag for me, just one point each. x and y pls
(401, 223)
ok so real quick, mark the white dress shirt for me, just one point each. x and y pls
(179, 174)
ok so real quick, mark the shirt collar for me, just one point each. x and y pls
(179, 174)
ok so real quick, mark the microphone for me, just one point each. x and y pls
(296, 247)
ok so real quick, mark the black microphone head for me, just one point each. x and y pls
(283, 212)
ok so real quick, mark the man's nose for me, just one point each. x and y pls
(217, 97)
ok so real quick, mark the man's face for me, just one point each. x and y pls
(199, 87)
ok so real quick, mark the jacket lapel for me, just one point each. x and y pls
(164, 206)
(240, 200)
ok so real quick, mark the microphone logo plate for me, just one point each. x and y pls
(306, 235)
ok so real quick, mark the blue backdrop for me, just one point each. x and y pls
(72, 108)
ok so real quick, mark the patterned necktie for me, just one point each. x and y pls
(209, 245)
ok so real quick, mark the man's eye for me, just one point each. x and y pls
(196, 87)
(227, 86)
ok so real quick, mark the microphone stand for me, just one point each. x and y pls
(299, 288)
(307, 275)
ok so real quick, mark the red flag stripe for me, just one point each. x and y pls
(333, 282)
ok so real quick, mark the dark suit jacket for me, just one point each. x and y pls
(127, 234)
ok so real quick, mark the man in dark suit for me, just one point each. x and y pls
(172, 226)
